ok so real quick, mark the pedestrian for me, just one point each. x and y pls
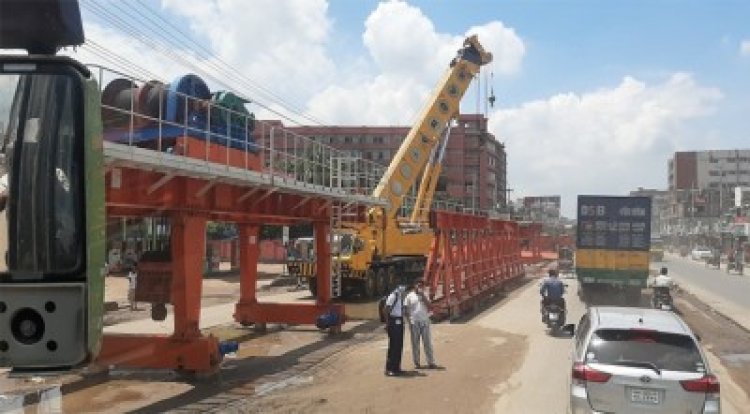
(394, 309)
(132, 282)
(417, 309)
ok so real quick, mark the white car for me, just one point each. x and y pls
(637, 360)
(701, 253)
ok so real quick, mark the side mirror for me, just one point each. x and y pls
(569, 329)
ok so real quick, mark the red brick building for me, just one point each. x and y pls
(474, 167)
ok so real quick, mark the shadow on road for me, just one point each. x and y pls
(238, 377)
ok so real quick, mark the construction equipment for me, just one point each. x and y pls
(387, 248)
(371, 257)
(52, 290)
(168, 151)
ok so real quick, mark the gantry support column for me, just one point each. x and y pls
(249, 253)
(323, 261)
(186, 349)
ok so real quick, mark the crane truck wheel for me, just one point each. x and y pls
(369, 285)
(392, 277)
(312, 284)
(382, 282)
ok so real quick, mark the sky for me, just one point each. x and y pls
(592, 97)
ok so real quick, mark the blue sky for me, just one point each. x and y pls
(601, 93)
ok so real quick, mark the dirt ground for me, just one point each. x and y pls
(218, 288)
(355, 382)
(727, 340)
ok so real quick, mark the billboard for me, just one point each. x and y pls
(614, 223)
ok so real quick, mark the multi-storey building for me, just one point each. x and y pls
(714, 174)
(660, 208)
(473, 170)
(702, 187)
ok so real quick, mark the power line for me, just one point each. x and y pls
(159, 47)
(209, 54)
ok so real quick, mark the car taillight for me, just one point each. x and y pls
(585, 373)
(707, 384)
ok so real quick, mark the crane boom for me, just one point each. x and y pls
(429, 180)
(424, 136)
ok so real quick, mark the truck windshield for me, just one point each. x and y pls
(40, 186)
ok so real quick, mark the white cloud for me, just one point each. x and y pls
(745, 47)
(280, 45)
(128, 52)
(607, 141)
(287, 49)
(410, 54)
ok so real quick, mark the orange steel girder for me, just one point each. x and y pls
(134, 192)
(471, 258)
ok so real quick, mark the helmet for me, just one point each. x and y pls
(663, 271)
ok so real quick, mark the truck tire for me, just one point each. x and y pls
(382, 281)
(312, 284)
(392, 277)
(369, 285)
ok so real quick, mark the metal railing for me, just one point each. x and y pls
(151, 115)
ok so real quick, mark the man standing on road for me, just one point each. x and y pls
(417, 309)
(394, 308)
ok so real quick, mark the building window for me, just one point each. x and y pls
(377, 140)
(347, 140)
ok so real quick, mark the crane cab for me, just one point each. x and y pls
(51, 223)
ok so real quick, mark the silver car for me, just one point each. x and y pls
(633, 360)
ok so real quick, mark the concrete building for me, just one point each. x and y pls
(544, 209)
(702, 188)
(474, 167)
(711, 176)
(660, 208)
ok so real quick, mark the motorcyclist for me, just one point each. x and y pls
(662, 284)
(552, 291)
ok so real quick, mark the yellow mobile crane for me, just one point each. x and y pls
(386, 247)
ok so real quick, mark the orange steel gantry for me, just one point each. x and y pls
(191, 178)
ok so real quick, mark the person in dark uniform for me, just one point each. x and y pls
(394, 308)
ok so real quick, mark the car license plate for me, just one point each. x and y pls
(553, 316)
(638, 395)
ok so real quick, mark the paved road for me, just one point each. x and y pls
(541, 383)
(728, 293)
(499, 361)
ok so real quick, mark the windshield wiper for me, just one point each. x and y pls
(638, 364)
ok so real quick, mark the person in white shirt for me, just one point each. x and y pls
(663, 280)
(417, 309)
(394, 308)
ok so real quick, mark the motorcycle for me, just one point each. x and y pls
(662, 299)
(736, 266)
(554, 316)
